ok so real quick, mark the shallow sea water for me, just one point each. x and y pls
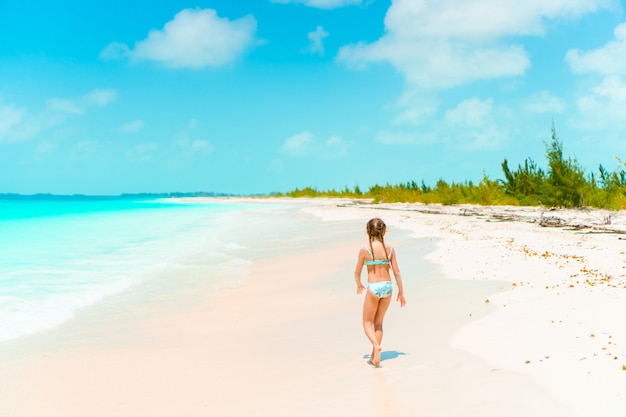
(60, 255)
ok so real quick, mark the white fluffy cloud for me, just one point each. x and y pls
(489, 138)
(545, 102)
(475, 124)
(471, 112)
(317, 40)
(100, 97)
(64, 105)
(603, 107)
(17, 123)
(194, 38)
(143, 151)
(306, 144)
(322, 4)
(336, 147)
(415, 115)
(608, 60)
(200, 144)
(444, 43)
(471, 126)
(10, 117)
(132, 127)
(186, 141)
(299, 144)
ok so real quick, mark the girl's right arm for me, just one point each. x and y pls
(357, 271)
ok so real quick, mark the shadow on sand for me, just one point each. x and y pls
(387, 355)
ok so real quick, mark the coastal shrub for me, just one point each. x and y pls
(566, 178)
(609, 190)
(562, 183)
(526, 184)
(491, 192)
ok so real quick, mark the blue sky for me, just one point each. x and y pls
(269, 95)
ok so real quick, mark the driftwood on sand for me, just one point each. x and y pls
(589, 220)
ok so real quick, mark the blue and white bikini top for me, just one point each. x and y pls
(378, 261)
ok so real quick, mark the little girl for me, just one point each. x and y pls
(378, 258)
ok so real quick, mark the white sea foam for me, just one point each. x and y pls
(53, 265)
(21, 316)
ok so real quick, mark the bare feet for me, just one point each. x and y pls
(375, 356)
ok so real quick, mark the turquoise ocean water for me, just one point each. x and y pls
(63, 254)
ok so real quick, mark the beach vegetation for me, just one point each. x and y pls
(562, 183)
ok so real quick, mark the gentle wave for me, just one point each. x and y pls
(61, 256)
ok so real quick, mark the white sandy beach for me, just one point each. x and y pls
(504, 318)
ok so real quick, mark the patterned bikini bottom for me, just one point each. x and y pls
(380, 289)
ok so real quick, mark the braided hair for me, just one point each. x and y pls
(376, 231)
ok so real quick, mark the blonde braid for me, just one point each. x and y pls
(376, 229)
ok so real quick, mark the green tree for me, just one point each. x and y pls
(526, 183)
(566, 178)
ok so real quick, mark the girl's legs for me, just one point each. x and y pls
(383, 306)
(374, 310)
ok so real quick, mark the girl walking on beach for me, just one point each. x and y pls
(379, 259)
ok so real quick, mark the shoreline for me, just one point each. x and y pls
(310, 344)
